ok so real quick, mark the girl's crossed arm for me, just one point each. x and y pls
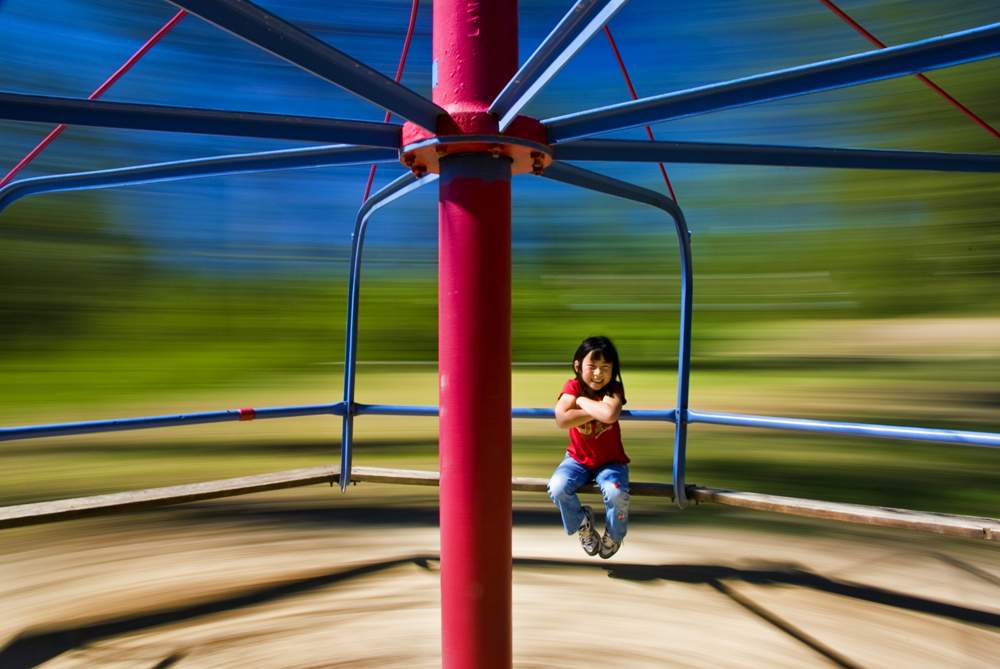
(573, 411)
(605, 410)
(569, 414)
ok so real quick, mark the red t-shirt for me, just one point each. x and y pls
(595, 444)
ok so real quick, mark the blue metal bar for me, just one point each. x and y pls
(627, 414)
(394, 410)
(622, 150)
(73, 111)
(247, 163)
(149, 422)
(545, 414)
(575, 176)
(395, 190)
(581, 22)
(854, 429)
(959, 437)
(649, 416)
(517, 412)
(897, 61)
(279, 37)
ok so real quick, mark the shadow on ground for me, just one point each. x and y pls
(32, 648)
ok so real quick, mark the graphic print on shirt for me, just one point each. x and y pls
(594, 427)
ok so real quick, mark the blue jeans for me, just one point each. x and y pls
(612, 479)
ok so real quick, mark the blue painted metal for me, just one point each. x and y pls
(621, 150)
(279, 37)
(394, 410)
(626, 414)
(581, 22)
(853, 429)
(597, 182)
(545, 414)
(957, 437)
(149, 422)
(73, 111)
(247, 163)
(395, 190)
(517, 412)
(335, 409)
(953, 49)
(649, 416)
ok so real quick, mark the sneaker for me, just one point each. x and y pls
(589, 538)
(608, 546)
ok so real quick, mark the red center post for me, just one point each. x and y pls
(475, 55)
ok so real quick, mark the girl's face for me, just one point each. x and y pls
(595, 371)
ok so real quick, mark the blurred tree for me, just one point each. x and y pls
(63, 268)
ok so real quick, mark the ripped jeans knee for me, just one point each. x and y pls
(613, 482)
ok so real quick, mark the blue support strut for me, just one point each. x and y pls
(397, 189)
(272, 33)
(245, 163)
(576, 28)
(74, 111)
(597, 182)
(897, 61)
(705, 153)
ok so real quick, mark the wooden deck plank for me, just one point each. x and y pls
(123, 502)
(85, 507)
(972, 527)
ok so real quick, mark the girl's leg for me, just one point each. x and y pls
(569, 476)
(613, 482)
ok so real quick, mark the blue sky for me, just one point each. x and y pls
(68, 47)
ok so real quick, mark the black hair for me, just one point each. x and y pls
(599, 346)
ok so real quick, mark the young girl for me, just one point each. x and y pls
(589, 406)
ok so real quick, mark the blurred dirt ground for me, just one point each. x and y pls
(293, 580)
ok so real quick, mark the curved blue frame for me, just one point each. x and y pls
(242, 163)
(395, 190)
(582, 178)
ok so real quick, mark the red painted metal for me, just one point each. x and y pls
(96, 94)
(631, 90)
(475, 46)
(934, 87)
(399, 75)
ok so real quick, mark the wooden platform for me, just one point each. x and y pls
(85, 507)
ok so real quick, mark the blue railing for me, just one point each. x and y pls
(957, 437)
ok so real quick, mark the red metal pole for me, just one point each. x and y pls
(475, 53)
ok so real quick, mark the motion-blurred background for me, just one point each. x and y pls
(839, 294)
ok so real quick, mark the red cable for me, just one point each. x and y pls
(399, 75)
(934, 87)
(96, 94)
(631, 90)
